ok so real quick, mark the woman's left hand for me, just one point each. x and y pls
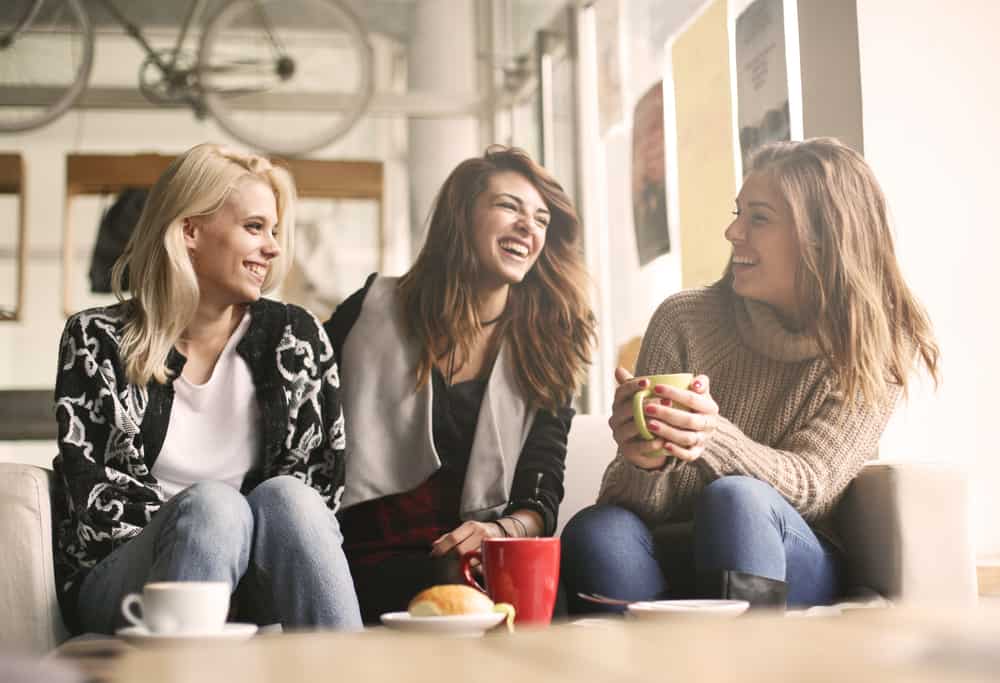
(686, 433)
(469, 536)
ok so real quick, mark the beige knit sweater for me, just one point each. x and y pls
(779, 419)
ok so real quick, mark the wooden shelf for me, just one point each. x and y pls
(110, 174)
(314, 178)
(11, 173)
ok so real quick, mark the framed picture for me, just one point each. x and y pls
(649, 184)
(608, 27)
(762, 87)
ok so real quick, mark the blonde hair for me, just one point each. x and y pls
(853, 298)
(161, 281)
(549, 326)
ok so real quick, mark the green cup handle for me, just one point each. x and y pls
(639, 415)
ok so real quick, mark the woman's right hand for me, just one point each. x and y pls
(647, 455)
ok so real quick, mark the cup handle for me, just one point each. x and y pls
(639, 415)
(132, 600)
(467, 559)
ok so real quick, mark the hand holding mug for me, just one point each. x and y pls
(680, 422)
(467, 537)
(523, 572)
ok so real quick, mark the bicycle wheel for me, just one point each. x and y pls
(45, 61)
(285, 76)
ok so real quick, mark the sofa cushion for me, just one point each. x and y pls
(30, 621)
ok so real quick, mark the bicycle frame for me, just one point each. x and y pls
(194, 8)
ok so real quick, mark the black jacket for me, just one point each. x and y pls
(541, 466)
(111, 431)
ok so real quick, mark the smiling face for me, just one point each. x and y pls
(765, 243)
(232, 249)
(510, 220)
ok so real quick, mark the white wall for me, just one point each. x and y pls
(931, 96)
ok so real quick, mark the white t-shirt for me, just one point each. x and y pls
(213, 432)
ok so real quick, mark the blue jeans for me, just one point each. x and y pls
(280, 544)
(740, 524)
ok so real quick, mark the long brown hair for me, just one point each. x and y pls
(548, 326)
(853, 298)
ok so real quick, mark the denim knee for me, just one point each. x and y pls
(735, 499)
(289, 503)
(216, 516)
(601, 529)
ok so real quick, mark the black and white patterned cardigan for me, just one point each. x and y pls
(111, 431)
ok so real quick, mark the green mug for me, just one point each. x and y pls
(681, 380)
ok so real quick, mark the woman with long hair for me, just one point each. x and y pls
(458, 379)
(808, 339)
(201, 436)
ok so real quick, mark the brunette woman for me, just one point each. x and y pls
(458, 379)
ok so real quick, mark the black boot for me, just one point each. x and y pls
(759, 591)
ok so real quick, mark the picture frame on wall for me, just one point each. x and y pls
(649, 182)
(762, 85)
(608, 26)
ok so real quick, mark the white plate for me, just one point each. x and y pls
(662, 609)
(137, 635)
(458, 625)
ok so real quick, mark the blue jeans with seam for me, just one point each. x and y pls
(740, 524)
(279, 547)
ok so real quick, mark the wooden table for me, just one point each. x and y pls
(864, 645)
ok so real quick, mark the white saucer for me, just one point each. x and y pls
(661, 609)
(138, 635)
(469, 625)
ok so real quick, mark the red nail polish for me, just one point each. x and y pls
(697, 385)
(669, 447)
(643, 383)
(666, 402)
(651, 410)
(660, 389)
(654, 428)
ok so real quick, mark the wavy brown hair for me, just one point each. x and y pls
(548, 324)
(853, 298)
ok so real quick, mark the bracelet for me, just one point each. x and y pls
(524, 529)
(503, 529)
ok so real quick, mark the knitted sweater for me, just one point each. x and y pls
(780, 419)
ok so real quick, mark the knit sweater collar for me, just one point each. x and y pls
(760, 328)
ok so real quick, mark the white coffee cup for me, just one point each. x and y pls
(179, 607)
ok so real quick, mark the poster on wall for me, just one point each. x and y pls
(761, 76)
(607, 18)
(649, 187)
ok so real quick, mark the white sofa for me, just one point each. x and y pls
(906, 528)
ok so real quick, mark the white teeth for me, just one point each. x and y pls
(256, 269)
(740, 260)
(516, 247)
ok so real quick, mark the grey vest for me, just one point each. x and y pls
(390, 448)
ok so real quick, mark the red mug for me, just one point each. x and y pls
(521, 571)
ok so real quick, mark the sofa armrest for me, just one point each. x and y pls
(30, 620)
(905, 528)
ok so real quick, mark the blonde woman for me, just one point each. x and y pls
(200, 427)
(458, 380)
(808, 340)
